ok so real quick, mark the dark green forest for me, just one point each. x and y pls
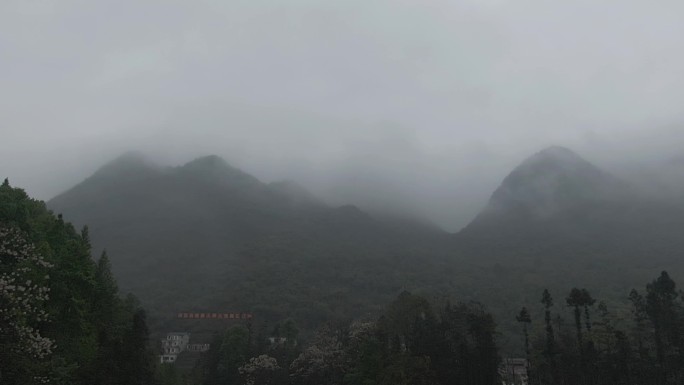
(207, 236)
(62, 320)
(339, 296)
(578, 341)
(412, 342)
(341, 192)
(582, 340)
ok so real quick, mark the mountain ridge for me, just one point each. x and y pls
(210, 236)
(557, 200)
(201, 222)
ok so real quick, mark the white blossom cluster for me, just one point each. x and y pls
(360, 330)
(325, 354)
(22, 294)
(256, 366)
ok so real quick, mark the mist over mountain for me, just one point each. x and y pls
(557, 200)
(546, 185)
(386, 192)
(207, 235)
(198, 234)
(661, 180)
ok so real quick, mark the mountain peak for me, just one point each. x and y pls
(558, 155)
(558, 150)
(208, 162)
(126, 164)
(552, 180)
(215, 167)
(129, 157)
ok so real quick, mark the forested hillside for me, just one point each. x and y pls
(584, 340)
(556, 201)
(411, 342)
(206, 236)
(62, 320)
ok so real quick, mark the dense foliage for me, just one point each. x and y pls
(410, 343)
(61, 318)
(604, 347)
(206, 236)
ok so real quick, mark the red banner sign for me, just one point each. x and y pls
(221, 316)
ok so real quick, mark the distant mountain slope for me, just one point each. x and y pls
(551, 181)
(206, 236)
(557, 200)
(205, 233)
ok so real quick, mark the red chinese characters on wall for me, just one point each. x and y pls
(220, 316)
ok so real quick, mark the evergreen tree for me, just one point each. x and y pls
(587, 301)
(228, 353)
(649, 354)
(576, 300)
(93, 336)
(550, 350)
(662, 311)
(137, 359)
(640, 323)
(547, 301)
(605, 336)
(525, 319)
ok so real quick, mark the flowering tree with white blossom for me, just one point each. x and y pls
(23, 293)
(259, 370)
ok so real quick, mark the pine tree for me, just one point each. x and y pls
(550, 350)
(85, 235)
(587, 301)
(640, 323)
(547, 301)
(525, 319)
(661, 310)
(137, 359)
(576, 300)
(94, 337)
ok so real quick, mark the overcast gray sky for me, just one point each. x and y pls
(425, 104)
